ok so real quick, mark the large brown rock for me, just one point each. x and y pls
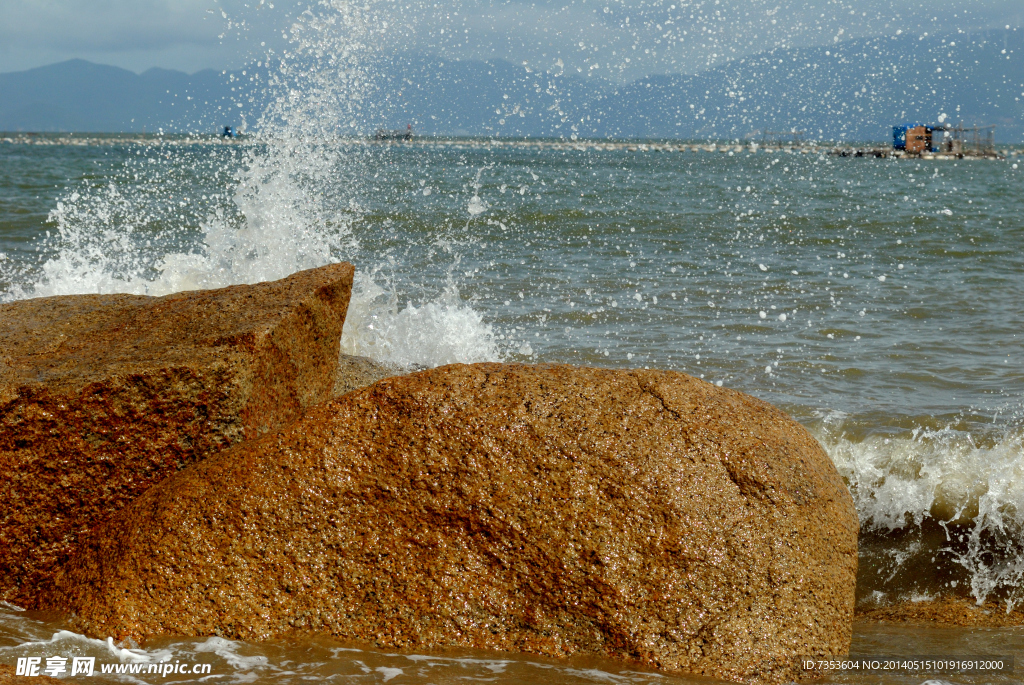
(102, 396)
(641, 515)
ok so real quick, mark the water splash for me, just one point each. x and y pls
(288, 199)
(440, 331)
(477, 205)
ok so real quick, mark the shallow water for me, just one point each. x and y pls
(319, 659)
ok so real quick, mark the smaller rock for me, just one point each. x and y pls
(950, 611)
(103, 396)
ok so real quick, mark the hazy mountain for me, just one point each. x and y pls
(481, 98)
(855, 90)
(81, 96)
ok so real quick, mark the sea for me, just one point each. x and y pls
(878, 301)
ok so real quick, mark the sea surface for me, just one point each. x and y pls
(879, 301)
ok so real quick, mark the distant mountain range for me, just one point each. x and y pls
(855, 90)
(81, 96)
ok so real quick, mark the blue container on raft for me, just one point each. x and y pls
(899, 137)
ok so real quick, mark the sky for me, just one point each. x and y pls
(613, 39)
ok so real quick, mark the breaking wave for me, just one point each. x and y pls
(941, 509)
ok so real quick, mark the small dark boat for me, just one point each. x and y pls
(396, 134)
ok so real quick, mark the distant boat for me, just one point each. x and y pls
(396, 134)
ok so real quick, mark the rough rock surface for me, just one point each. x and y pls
(358, 372)
(102, 396)
(640, 515)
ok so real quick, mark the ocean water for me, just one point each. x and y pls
(880, 302)
(25, 634)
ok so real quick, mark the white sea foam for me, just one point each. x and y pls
(30, 639)
(972, 486)
(228, 650)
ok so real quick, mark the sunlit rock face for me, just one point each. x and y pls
(103, 396)
(642, 515)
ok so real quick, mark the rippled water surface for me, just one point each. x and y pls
(889, 291)
(880, 302)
